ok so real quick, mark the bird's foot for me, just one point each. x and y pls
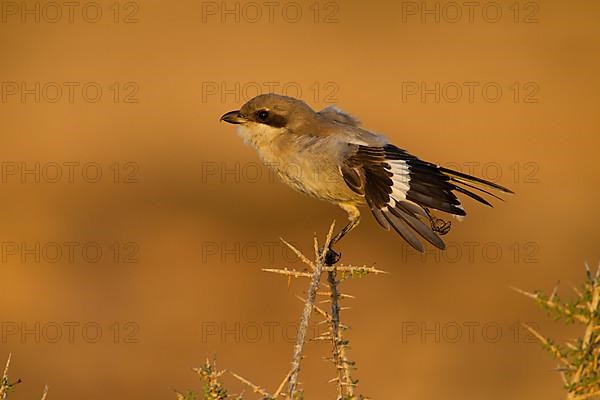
(331, 256)
(440, 226)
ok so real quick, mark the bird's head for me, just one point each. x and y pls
(269, 115)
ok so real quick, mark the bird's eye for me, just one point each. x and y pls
(262, 115)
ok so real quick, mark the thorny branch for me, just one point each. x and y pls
(288, 388)
(307, 311)
(342, 364)
(579, 361)
(345, 384)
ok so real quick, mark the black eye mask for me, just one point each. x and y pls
(270, 118)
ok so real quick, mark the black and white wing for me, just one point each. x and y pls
(400, 188)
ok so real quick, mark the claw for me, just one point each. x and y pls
(332, 256)
(440, 226)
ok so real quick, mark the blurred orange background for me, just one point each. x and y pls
(185, 216)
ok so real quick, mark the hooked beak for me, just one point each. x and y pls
(233, 117)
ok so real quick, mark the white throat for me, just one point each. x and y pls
(258, 135)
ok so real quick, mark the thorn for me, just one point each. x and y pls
(299, 254)
(5, 376)
(525, 293)
(281, 386)
(554, 291)
(289, 272)
(255, 388)
(576, 290)
(588, 272)
(321, 339)
(45, 394)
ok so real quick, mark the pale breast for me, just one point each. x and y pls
(309, 165)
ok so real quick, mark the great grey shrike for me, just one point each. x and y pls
(329, 156)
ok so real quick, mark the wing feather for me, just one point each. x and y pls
(399, 188)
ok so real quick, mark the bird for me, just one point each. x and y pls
(328, 155)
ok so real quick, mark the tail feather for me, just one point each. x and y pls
(476, 188)
(472, 195)
(469, 178)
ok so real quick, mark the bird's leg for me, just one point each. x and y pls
(332, 256)
(351, 225)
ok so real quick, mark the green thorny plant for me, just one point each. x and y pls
(330, 291)
(577, 359)
(7, 387)
(213, 389)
